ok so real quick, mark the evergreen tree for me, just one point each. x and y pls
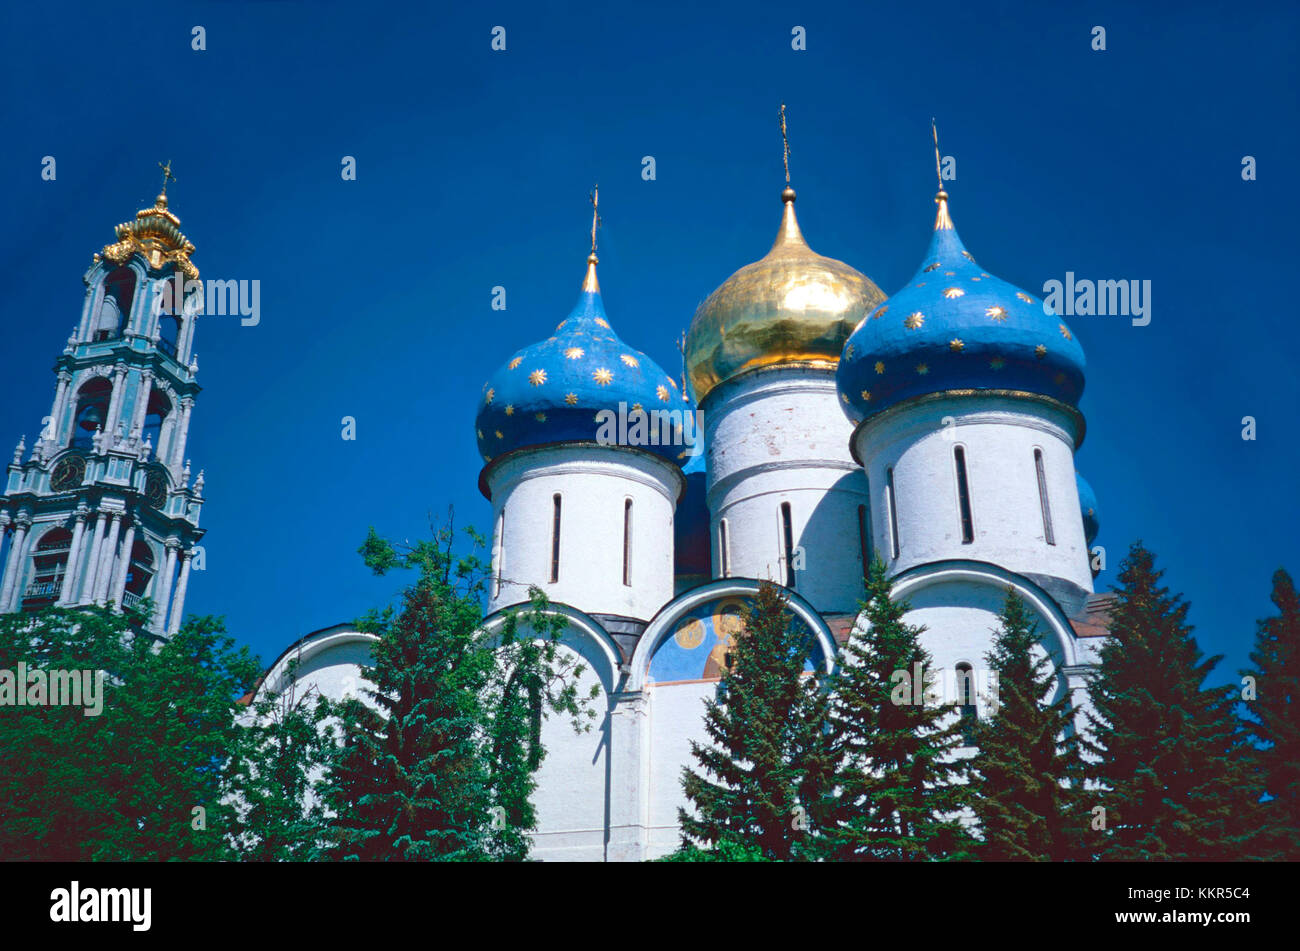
(769, 764)
(1173, 763)
(150, 776)
(1276, 718)
(899, 791)
(1027, 749)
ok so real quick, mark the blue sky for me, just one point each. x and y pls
(473, 171)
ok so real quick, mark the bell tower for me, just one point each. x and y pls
(103, 511)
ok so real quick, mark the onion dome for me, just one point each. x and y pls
(955, 327)
(692, 543)
(1088, 505)
(552, 391)
(793, 307)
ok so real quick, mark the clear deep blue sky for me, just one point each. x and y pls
(474, 169)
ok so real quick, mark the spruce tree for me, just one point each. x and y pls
(1172, 760)
(1275, 708)
(899, 790)
(767, 765)
(1027, 750)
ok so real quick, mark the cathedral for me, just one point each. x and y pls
(817, 425)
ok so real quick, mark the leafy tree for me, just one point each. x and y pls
(1275, 723)
(769, 764)
(1027, 751)
(899, 795)
(1172, 759)
(149, 777)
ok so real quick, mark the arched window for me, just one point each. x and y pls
(864, 540)
(49, 563)
(963, 496)
(555, 540)
(159, 408)
(627, 541)
(724, 548)
(138, 573)
(115, 308)
(787, 534)
(966, 701)
(169, 332)
(893, 511)
(501, 550)
(91, 411)
(1042, 498)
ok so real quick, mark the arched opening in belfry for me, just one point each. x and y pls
(91, 411)
(139, 573)
(159, 408)
(49, 564)
(115, 308)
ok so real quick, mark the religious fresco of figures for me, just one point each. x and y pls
(701, 641)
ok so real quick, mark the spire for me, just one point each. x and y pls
(942, 221)
(161, 201)
(789, 233)
(589, 284)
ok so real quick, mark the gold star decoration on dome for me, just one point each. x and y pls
(949, 273)
(880, 312)
(866, 396)
(602, 376)
(537, 377)
(571, 399)
(1040, 351)
(510, 409)
(914, 320)
(638, 408)
(880, 367)
(956, 345)
(1024, 297)
(540, 417)
(500, 435)
(661, 391)
(997, 313)
(931, 267)
(922, 369)
(560, 325)
(601, 321)
(629, 360)
(1065, 332)
(479, 433)
(974, 278)
(967, 255)
(848, 352)
(845, 398)
(515, 362)
(488, 396)
(952, 293)
(997, 363)
(574, 353)
(922, 284)
(487, 458)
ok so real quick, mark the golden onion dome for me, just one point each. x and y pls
(793, 307)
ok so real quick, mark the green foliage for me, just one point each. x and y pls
(1173, 760)
(122, 785)
(1026, 751)
(768, 764)
(1275, 719)
(898, 789)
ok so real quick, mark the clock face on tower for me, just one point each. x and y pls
(155, 489)
(68, 474)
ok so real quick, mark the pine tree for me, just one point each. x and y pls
(1173, 764)
(1276, 718)
(899, 790)
(768, 764)
(1026, 750)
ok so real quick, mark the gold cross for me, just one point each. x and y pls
(785, 146)
(938, 170)
(167, 174)
(595, 215)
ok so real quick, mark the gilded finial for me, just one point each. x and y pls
(590, 285)
(167, 176)
(788, 194)
(942, 221)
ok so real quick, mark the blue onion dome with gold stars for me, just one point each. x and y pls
(552, 391)
(1088, 505)
(955, 327)
(792, 307)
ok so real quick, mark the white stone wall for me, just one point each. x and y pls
(593, 482)
(774, 436)
(999, 436)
